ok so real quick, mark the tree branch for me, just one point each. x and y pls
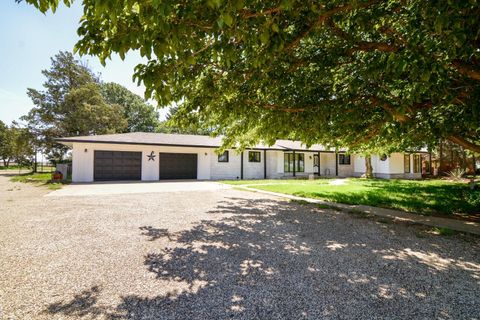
(390, 109)
(404, 118)
(466, 70)
(281, 108)
(464, 143)
(248, 14)
(323, 18)
(370, 46)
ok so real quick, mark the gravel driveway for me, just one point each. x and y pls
(220, 254)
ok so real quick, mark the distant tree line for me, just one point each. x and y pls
(15, 144)
(74, 101)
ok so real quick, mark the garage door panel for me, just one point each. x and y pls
(178, 166)
(117, 165)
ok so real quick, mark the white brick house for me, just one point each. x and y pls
(156, 156)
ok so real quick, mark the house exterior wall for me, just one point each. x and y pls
(82, 162)
(396, 163)
(274, 164)
(83, 156)
(253, 170)
(327, 164)
(392, 167)
(225, 170)
(208, 167)
(346, 170)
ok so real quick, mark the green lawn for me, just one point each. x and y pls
(39, 178)
(15, 167)
(427, 197)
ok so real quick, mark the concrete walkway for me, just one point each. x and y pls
(458, 225)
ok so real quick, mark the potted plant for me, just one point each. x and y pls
(57, 176)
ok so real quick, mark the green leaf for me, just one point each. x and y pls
(275, 27)
(227, 18)
(265, 36)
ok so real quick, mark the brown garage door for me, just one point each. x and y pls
(117, 165)
(178, 166)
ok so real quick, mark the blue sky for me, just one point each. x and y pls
(29, 38)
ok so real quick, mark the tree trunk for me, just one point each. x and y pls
(368, 167)
(474, 166)
(440, 157)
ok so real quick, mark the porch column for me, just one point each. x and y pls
(294, 163)
(265, 164)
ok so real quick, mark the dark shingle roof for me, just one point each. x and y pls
(186, 140)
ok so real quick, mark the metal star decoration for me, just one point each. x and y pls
(151, 156)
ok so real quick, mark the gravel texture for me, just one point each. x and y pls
(222, 254)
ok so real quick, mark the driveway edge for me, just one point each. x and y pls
(439, 222)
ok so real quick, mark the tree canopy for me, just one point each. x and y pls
(192, 125)
(70, 105)
(16, 144)
(363, 74)
(75, 102)
(140, 115)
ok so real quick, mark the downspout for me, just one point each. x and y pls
(264, 163)
(319, 174)
(294, 164)
(336, 163)
(241, 166)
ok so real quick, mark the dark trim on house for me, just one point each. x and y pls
(169, 145)
(264, 164)
(319, 157)
(185, 145)
(336, 163)
(139, 143)
(294, 164)
(241, 166)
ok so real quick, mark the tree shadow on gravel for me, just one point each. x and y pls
(81, 305)
(264, 259)
(154, 233)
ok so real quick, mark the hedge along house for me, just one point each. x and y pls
(157, 156)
